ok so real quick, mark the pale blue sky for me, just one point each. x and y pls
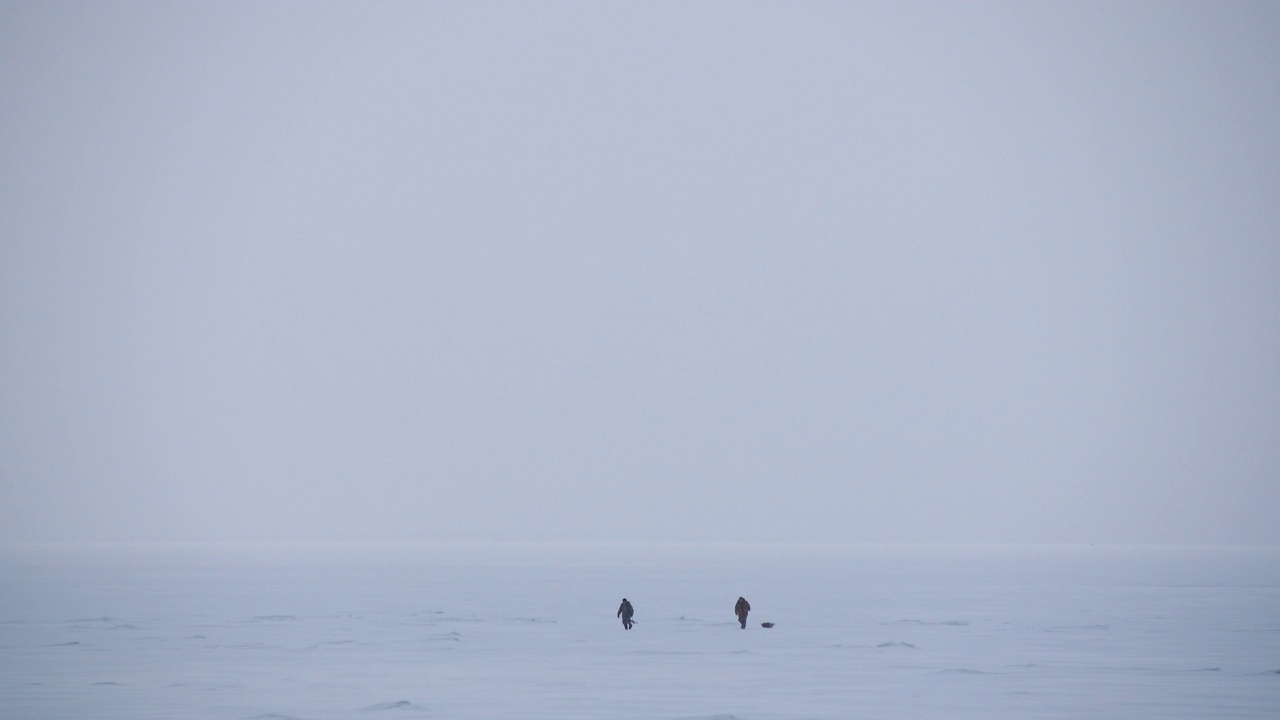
(922, 272)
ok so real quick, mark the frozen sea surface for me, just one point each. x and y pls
(401, 632)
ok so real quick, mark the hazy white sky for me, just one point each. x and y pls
(937, 272)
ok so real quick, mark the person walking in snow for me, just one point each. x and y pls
(741, 609)
(625, 611)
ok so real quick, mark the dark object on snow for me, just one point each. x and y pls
(625, 611)
(741, 609)
(766, 625)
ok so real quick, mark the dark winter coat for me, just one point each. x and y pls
(742, 608)
(624, 610)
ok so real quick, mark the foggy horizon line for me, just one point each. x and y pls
(498, 543)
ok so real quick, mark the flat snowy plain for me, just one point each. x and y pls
(507, 631)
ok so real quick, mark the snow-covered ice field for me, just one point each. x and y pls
(374, 632)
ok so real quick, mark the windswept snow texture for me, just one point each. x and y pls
(515, 632)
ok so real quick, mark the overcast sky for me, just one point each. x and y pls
(881, 272)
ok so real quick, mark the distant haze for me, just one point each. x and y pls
(857, 272)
